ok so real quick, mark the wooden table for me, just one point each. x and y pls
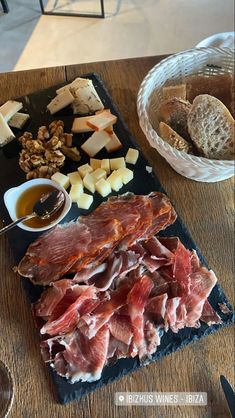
(207, 210)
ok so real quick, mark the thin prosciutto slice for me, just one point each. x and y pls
(137, 299)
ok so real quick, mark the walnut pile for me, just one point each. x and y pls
(45, 155)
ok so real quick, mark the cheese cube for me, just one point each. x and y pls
(95, 143)
(115, 181)
(89, 183)
(84, 169)
(60, 101)
(103, 187)
(84, 201)
(18, 120)
(132, 156)
(116, 163)
(61, 179)
(75, 191)
(114, 144)
(99, 174)
(105, 165)
(102, 121)
(95, 163)
(75, 178)
(126, 174)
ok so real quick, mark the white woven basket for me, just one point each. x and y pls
(173, 70)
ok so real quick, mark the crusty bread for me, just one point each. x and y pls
(178, 91)
(175, 112)
(211, 127)
(173, 139)
(217, 85)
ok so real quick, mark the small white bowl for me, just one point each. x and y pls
(173, 70)
(11, 196)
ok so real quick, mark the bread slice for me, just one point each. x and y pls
(173, 139)
(175, 112)
(217, 85)
(211, 127)
(178, 91)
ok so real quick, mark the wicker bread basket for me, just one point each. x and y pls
(173, 70)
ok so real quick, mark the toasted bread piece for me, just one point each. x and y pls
(178, 91)
(173, 139)
(211, 127)
(218, 85)
(175, 112)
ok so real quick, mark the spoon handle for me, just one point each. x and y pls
(22, 219)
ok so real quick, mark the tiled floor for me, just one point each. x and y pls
(131, 28)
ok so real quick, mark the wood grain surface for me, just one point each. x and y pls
(207, 210)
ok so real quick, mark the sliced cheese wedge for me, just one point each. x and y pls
(89, 183)
(103, 187)
(86, 100)
(78, 82)
(80, 125)
(75, 178)
(75, 191)
(61, 179)
(84, 169)
(116, 163)
(18, 120)
(84, 201)
(95, 143)
(9, 109)
(114, 144)
(101, 121)
(126, 174)
(6, 134)
(115, 181)
(59, 102)
(94, 163)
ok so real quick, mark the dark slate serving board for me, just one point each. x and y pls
(143, 183)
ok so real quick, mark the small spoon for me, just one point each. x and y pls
(44, 208)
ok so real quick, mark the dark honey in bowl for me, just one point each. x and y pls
(26, 202)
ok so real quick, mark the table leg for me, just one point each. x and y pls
(5, 6)
(101, 15)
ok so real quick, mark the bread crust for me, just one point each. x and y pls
(173, 139)
(175, 112)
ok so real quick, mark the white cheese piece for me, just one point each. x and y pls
(105, 165)
(18, 120)
(101, 121)
(86, 100)
(89, 183)
(148, 169)
(116, 163)
(84, 201)
(75, 191)
(60, 101)
(80, 125)
(62, 89)
(103, 187)
(9, 109)
(75, 178)
(132, 156)
(115, 181)
(98, 174)
(6, 134)
(94, 163)
(95, 143)
(61, 179)
(84, 169)
(114, 144)
(78, 82)
(126, 174)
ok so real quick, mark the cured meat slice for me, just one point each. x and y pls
(170, 314)
(152, 337)
(137, 299)
(70, 317)
(51, 297)
(117, 349)
(157, 249)
(163, 214)
(209, 316)
(53, 253)
(88, 273)
(83, 359)
(156, 308)
(120, 328)
(202, 283)
(90, 324)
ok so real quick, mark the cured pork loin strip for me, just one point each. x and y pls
(119, 222)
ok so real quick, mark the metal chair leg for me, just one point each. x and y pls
(5, 6)
(51, 13)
